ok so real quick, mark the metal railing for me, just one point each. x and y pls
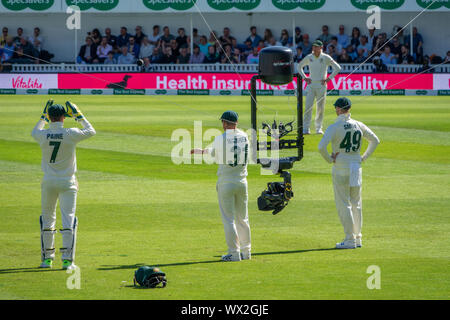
(207, 68)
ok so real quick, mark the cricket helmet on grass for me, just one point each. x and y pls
(150, 277)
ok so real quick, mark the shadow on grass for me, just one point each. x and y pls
(21, 270)
(137, 265)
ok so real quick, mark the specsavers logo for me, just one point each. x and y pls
(293, 4)
(102, 5)
(436, 5)
(238, 4)
(383, 4)
(37, 5)
(179, 5)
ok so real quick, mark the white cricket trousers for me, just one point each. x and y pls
(348, 203)
(314, 91)
(66, 191)
(233, 203)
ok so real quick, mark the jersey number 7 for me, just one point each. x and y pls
(56, 145)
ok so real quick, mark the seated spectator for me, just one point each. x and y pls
(298, 36)
(197, 56)
(254, 38)
(166, 37)
(372, 38)
(381, 40)
(175, 48)
(112, 40)
(36, 39)
(331, 51)
(182, 39)
(299, 55)
(379, 66)
(204, 44)
(18, 37)
(285, 40)
(387, 57)
(237, 56)
(398, 33)
(96, 36)
(212, 56)
(356, 35)
(261, 45)
(226, 38)
(110, 59)
(195, 36)
(88, 52)
(253, 58)
(267, 36)
(335, 44)
(103, 50)
(124, 38)
(184, 56)
(20, 57)
(351, 52)
(360, 58)
(305, 45)
(126, 57)
(8, 50)
(226, 55)
(28, 49)
(154, 38)
(417, 51)
(146, 49)
(364, 46)
(396, 48)
(139, 36)
(247, 48)
(273, 42)
(447, 57)
(325, 37)
(147, 67)
(133, 47)
(425, 66)
(156, 55)
(213, 38)
(342, 38)
(435, 59)
(344, 57)
(167, 56)
(4, 36)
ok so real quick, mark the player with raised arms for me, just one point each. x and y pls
(346, 136)
(59, 165)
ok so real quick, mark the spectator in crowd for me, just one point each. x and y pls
(166, 37)
(139, 36)
(88, 52)
(8, 50)
(273, 42)
(435, 59)
(447, 57)
(212, 56)
(417, 46)
(213, 38)
(96, 36)
(261, 45)
(167, 56)
(360, 58)
(396, 48)
(156, 55)
(175, 48)
(154, 38)
(305, 45)
(184, 56)
(398, 33)
(247, 48)
(112, 40)
(425, 65)
(226, 38)
(182, 39)
(352, 52)
(284, 39)
(364, 46)
(335, 44)
(203, 45)
(126, 57)
(197, 56)
(147, 67)
(146, 48)
(110, 58)
(18, 37)
(267, 36)
(379, 66)
(379, 44)
(237, 56)
(36, 39)
(195, 36)
(354, 41)
(298, 36)
(4, 36)
(103, 50)
(342, 38)
(387, 57)
(325, 37)
(21, 57)
(253, 37)
(299, 55)
(226, 55)
(124, 38)
(133, 47)
(331, 51)
(253, 58)
(372, 38)
(405, 57)
(344, 57)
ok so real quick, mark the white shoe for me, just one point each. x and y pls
(359, 243)
(346, 244)
(319, 131)
(306, 132)
(230, 258)
(246, 256)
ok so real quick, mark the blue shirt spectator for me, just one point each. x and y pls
(342, 38)
(125, 57)
(254, 37)
(387, 57)
(124, 38)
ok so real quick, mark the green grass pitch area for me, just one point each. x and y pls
(135, 207)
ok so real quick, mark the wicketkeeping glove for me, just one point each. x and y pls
(44, 116)
(72, 111)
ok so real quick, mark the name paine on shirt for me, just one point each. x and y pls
(55, 136)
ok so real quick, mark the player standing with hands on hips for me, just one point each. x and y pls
(59, 165)
(230, 151)
(346, 136)
(318, 63)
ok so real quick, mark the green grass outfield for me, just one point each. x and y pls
(137, 208)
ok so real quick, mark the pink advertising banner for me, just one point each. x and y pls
(232, 81)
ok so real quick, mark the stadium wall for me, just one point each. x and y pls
(433, 25)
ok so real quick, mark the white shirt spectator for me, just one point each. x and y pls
(102, 52)
(367, 47)
(343, 40)
(146, 50)
(128, 59)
